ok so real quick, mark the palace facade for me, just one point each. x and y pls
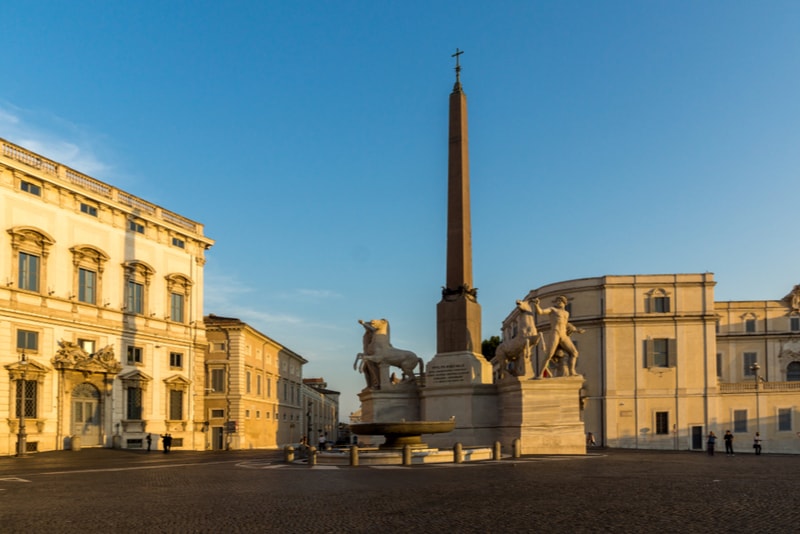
(102, 336)
(664, 364)
(100, 313)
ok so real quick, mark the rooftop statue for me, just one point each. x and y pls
(379, 354)
(558, 336)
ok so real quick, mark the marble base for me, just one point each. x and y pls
(390, 404)
(474, 407)
(544, 414)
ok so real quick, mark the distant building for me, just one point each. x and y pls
(665, 364)
(101, 298)
(254, 393)
(322, 411)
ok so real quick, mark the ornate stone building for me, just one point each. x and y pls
(664, 364)
(101, 332)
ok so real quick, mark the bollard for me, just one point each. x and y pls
(288, 454)
(312, 456)
(496, 451)
(354, 456)
(406, 454)
(458, 453)
(517, 448)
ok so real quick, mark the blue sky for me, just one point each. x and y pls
(311, 140)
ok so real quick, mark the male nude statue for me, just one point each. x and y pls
(558, 336)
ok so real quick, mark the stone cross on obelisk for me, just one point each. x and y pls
(458, 314)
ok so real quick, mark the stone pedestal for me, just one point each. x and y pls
(543, 413)
(474, 407)
(390, 404)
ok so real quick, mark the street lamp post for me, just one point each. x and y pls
(755, 367)
(22, 436)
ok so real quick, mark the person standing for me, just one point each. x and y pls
(728, 437)
(712, 440)
(149, 441)
(757, 443)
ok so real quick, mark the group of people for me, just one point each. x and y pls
(166, 441)
(728, 439)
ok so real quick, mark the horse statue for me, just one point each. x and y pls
(510, 355)
(378, 354)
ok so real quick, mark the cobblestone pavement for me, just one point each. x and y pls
(101, 490)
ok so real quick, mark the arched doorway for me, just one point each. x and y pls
(86, 414)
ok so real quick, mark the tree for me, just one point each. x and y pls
(488, 346)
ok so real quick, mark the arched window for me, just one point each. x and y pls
(30, 248)
(87, 273)
(137, 284)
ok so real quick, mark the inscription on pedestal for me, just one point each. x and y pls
(450, 373)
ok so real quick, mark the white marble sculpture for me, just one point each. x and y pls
(379, 354)
(558, 336)
(513, 354)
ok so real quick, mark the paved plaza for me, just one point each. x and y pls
(102, 490)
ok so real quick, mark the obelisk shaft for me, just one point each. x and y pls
(458, 313)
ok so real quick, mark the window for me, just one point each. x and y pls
(247, 376)
(176, 360)
(749, 359)
(659, 352)
(27, 340)
(750, 325)
(661, 304)
(135, 297)
(134, 355)
(176, 307)
(135, 226)
(218, 347)
(784, 419)
(657, 301)
(89, 210)
(175, 405)
(269, 387)
(258, 414)
(87, 345)
(218, 380)
(31, 188)
(26, 398)
(258, 385)
(662, 422)
(793, 372)
(217, 414)
(134, 405)
(28, 271)
(739, 421)
(247, 414)
(180, 243)
(87, 282)
(794, 323)
(719, 365)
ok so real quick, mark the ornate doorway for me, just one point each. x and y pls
(86, 414)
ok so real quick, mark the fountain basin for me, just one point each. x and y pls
(398, 434)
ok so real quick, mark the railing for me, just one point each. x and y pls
(750, 387)
(89, 183)
(29, 158)
(136, 203)
(176, 219)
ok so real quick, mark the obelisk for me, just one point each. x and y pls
(458, 314)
